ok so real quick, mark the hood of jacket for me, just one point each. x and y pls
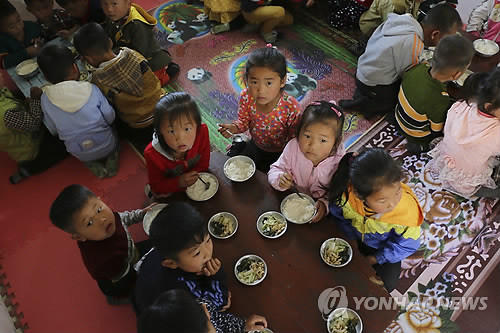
(137, 13)
(156, 145)
(69, 96)
(400, 25)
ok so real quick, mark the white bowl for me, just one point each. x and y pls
(231, 217)
(205, 195)
(296, 196)
(486, 47)
(264, 330)
(340, 311)
(325, 243)
(150, 216)
(260, 223)
(251, 256)
(241, 158)
(27, 68)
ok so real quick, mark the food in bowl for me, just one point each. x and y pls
(344, 320)
(271, 224)
(336, 252)
(297, 209)
(222, 225)
(199, 192)
(486, 47)
(250, 270)
(461, 80)
(27, 67)
(239, 169)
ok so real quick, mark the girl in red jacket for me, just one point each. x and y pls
(180, 147)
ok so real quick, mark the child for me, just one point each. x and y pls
(372, 205)
(178, 311)
(485, 19)
(54, 22)
(226, 12)
(131, 26)
(392, 49)
(310, 159)
(265, 109)
(465, 158)
(83, 11)
(181, 259)
(102, 235)
(23, 136)
(180, 147)
(345, 14)
(125, 79)
(19, 40)
(78, 112)
(423, 100)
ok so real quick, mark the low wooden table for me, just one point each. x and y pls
(288, 297)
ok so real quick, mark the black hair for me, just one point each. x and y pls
(323, 112)
(91, 39)
(489, 92)
(174, 311)
(367, 172)
(172, 107)
(472, 86)
(442, 17)
(69, 202)
(64, 3)
(453, 52)
(55, 62)
(268, 57)
(6, 9)
(178, 226)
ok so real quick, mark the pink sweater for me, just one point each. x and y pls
(464, 159)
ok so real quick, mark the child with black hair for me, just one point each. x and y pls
(310, 159)
(83, 11)
(371, 204)
(180, 148)
(19, 40)
(102, 235)
(465, 159)
(126, 79)
(177, 311)
(55, 22)
(181, 259)
(265, 109)
(423, 100)
(78, 112)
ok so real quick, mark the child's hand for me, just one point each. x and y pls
(372, 260)
(286, 181)
(148, 208)
(255, 322)
(187, 179)
(320, 211)
(36, 92)
(309, 3)
(227, 130)
(66, 34)
(211, 267)
(35, 48)
(228, 304)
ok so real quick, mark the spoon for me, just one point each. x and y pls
(207, 185)
(294, 189)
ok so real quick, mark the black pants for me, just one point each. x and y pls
(263, 159)
(388, 272)
(375, 100)
(139, 137)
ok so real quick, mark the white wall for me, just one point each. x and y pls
(465, 7)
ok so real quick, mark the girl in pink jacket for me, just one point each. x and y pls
(310, 159)
(465, 158)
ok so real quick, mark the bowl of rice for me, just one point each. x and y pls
(271, 224)
(486, 47)
(27, 68)
(222, 225)
(336, 252)
(198, 191)
(250, 269)
(344, 320)
(239, 168)
(150, 216)
(298, 210)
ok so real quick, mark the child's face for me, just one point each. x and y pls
(180, 134)
(193, 260)
(264, 85)
(386, 199)
(13, 26)
(42, 10)
(95, 221)
(115, 9)
(317, 140)
(77, 9)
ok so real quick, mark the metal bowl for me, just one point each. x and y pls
(242, 158)
(27, 69)
(199, 186)
(486, 47)
(260, 224)
(264, 330)
(293, 196)
(231, 217)
(325, 243)
(150, 216)
(342, 311)
(251, 256)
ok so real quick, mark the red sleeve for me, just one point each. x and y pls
(203, 145)
(156, 165)
(293, 117)
(243, 121)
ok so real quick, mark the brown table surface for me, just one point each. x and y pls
(288, 296)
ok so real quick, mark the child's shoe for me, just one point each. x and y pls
(269, 37)
(112, 163)
(21, 174)
(172, 70)
(224, 27)
(97, 168)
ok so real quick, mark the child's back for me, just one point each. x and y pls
(380, 10)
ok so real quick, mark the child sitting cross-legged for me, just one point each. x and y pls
(53, 21)
(105, 244)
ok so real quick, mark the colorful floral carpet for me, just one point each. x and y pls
(459, 250)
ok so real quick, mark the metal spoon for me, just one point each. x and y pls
(207, 185)
(294, 189)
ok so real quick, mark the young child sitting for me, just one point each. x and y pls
(265, 109)
(464, 160)
(23, 136)
(181, 259)
(267, 15)
(372, 205)
(485, 20)
(54, 22)
(345, 14)
(128, 25)
(78, 112)
(125, 79)
(180, 147)
(393, 48)
(19, 40)
(310, 159)
(423, 100)
(105, 244)
(178, 311)
(83, 11)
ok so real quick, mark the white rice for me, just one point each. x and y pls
(197, 190)
(27, 67)
(486, 47)
(239, 170)
(298, 210)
